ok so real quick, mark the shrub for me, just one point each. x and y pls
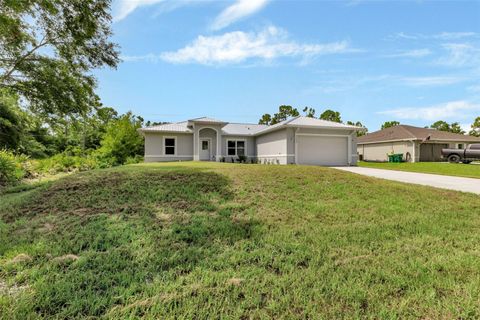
(63, 162)
(133, 160)
(11, 170)
(121, 140)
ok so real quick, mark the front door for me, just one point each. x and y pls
(205, 149)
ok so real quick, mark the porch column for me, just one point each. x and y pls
(349, 146)
(219, 146)
(196, 140)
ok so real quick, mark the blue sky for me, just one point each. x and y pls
(411, 61)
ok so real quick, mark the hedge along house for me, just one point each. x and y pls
(416, 144)
(298, 140)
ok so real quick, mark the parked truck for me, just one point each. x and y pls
(466, 155)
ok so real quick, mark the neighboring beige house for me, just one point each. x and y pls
(298, 140)
(416, 144)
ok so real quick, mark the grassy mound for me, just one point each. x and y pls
(200, 240)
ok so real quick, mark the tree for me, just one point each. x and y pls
(475, 128)
(455, 128)
(309, 112)
(389, 124)
(440, 125)
(265, 119)
(444, 126)
(10, 122)
(47, 49)
(122, 139)
(358, 124)
(331, 115)
(284, 112)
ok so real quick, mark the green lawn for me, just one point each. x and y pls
(237, 241)
(443, 168)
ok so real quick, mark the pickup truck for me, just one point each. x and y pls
(467, 155)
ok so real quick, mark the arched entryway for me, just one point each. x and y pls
(207, 144)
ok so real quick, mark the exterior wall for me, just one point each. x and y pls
(380, 151)
(272, 147)
(154, 150)
(353, 139)
(250, 151)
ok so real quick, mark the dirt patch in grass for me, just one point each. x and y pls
(21, 258)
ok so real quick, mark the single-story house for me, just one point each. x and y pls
(416, 144)
(299, 140)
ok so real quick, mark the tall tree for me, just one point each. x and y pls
(309, 112)
(359, 124)
(265, 119)
(445, 126)
(440, 125)
(331, 115)
(475, 128)
(389, 124)
(284, 112)
(455, 128)
(49, 47)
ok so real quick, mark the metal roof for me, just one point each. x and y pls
(309, 122)
(206, 120)
(169, 127)
(242, 128)
(248, 128)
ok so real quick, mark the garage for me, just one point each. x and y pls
(432, 151)
(322, 150)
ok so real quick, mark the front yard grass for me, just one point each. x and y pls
(237, 241)
(443, 168)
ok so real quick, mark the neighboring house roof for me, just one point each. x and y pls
(404, 132)
(248, 128)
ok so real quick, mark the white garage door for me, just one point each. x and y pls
(322, 150)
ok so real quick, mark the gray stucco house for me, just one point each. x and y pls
(298, 140)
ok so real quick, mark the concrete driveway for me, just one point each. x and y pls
(432, 180)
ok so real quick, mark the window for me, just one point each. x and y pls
(204, 145)
(169, 145)
(236, 147)
(460, 146)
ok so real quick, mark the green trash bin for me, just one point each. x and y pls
(398, 157)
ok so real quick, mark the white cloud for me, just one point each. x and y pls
(416, 53)
(474, 88)
(237, 11)
(460, 55)
(125, 7)
(430, 81)
(238, 46)
(454, 35)
(447, 111)
(438, 36)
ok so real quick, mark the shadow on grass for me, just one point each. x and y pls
(127, 229)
